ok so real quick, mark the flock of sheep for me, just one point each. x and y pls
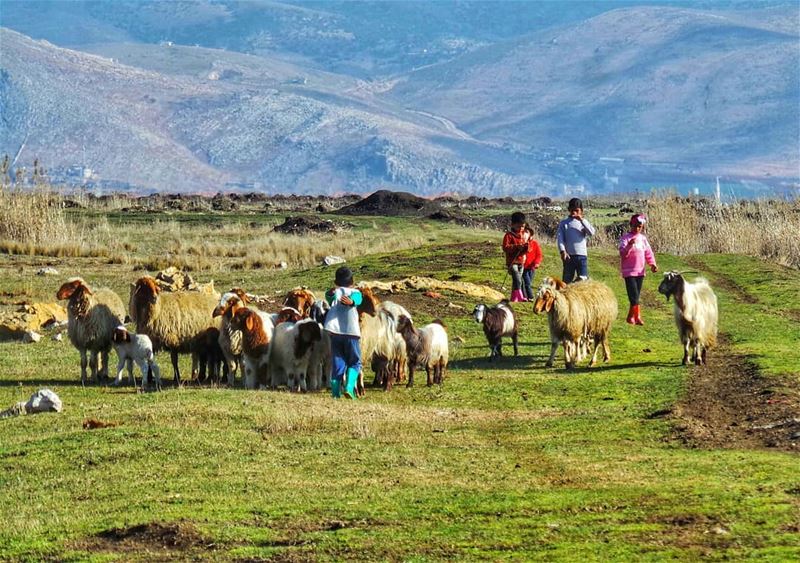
(226, 334)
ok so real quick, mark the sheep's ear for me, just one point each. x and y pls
(249, 323)
(559, 284)
(548, 303)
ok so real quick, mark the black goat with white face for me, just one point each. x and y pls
(498, 321)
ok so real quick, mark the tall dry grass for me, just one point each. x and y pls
(33, 216)
(764, 229)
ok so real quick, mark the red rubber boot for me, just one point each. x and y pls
(638, 315)
(631, 315)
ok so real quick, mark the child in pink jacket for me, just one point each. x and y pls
(635, 253)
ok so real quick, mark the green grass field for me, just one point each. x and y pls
(508, 460)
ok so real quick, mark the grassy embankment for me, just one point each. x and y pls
(506, 460)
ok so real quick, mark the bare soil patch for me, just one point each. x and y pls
(729, 404)
(305, 224)
(699, 532)
(152, 541)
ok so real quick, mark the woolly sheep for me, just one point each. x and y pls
(575, 312)
(379, 336)
(137, 348)
(172, 320)
(696, 314)
(426, 346)
(91, 319)
(498, 321)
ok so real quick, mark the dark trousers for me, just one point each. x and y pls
(345, 353)
(633, 286)
(527, 283)
(575, 265)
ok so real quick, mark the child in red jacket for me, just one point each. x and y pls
(532, 261)
(515, 247)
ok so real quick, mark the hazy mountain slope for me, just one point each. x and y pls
(362, 38)
(69, 108)
(211, 118)
(656, 83)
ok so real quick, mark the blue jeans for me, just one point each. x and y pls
(575, 265)
(516, 276)
(527, 283)
(345, 353)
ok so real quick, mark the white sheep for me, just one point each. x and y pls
(576, 313)
(381, 344)
(135, 348)
(92, 316)
(695, 311)
(498, 321)
(426, 346)
(290, 351)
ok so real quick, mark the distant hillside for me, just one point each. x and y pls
(193, 119)
(716, 90)
(436, 97)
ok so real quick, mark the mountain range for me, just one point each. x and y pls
(491, 98)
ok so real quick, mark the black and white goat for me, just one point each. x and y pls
(498, 321)
(695, 311)
(292, 344)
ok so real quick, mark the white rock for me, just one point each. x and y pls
(31, 336)
(331, 260)
(47, 271)
(44, 400)
(57, 337)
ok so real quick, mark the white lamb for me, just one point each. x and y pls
(135, 348)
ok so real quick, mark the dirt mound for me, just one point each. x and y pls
(728, 404)
(543, 223)
(152, 537)
(303, 225)
(392, 204)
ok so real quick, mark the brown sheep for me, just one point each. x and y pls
(172, 320)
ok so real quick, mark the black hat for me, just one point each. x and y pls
(344, 277)
(575, 203)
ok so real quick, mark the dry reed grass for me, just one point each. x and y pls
(33, 217)
(764, 229)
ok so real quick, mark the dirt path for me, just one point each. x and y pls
(728, 404)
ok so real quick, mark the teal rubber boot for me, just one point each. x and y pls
(352, 380)
(336, 388)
